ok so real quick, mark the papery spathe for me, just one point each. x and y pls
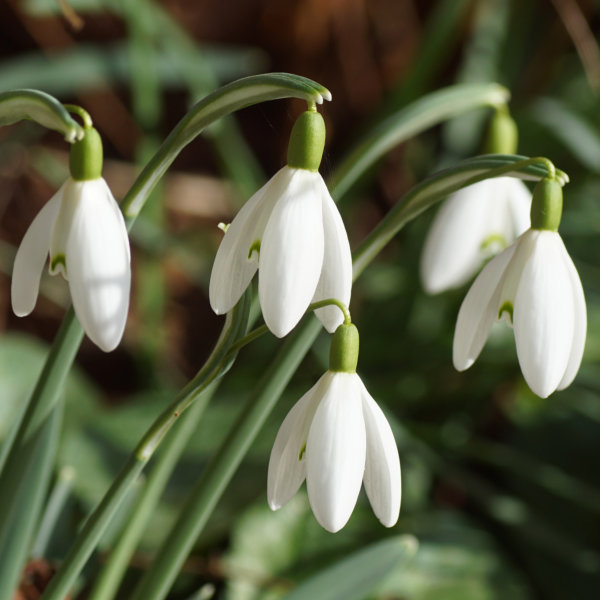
(535, 284)
(336, 437)
(472, 225)
(292, 232)
(83, 231)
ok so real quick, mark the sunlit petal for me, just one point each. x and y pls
(544, 315)
(97, 260)
(479, 310)
(31, 257)
(579, 325)
(452, 251)
(291, 254)
(336, 274)
(287, 464)
(237, 258)
(335, 453)
(382, 467)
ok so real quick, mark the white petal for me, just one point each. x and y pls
(291, 255)
(336, 274)
(452, 253)
(382, 467)
(479, 310)
(31, 257)
(236, 260)
(287, 464)
(518, 200)
(544, 315)
(335, 452)
(98, 266)
(579, 326)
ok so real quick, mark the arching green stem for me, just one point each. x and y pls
(80, 112)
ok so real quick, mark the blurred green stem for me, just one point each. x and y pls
(107, 583)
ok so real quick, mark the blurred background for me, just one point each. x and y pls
(501, 488)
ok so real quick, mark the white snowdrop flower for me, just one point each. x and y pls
(292, 233)
(472, 225)
(83, 232)
(534, 284)
(336, 437)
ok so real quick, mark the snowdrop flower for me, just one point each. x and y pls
(472, 225)
(478, 221)
(534, 284)
(83, 231)
(336, 437)
(292, 233)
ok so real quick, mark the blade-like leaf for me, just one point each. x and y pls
(354, 577)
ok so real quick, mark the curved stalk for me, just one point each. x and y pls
(33, 105)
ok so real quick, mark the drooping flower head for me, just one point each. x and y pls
(478, 221)
(336, 437)
(535, 286)
(82, 230)
(292, 233)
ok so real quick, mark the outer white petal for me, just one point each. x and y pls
(234, 264)
(452, 252)
(544, 315)
(479, 310)
(291, 255)
(580, 324)
(336, 274)
(31, 257)
(382, 467)
(335, 452)
(287, 465)
(518, 201)
(97, 260)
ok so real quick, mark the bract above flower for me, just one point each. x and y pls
(472, 225)
(536, 286)
(83, 231)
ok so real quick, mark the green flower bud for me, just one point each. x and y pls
(546, 206)
(307, 141)
(502, 135)
(343, 356)
(85, 160)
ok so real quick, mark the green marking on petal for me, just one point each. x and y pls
(224, 227)
(492, 240)
(302, 452)
(57, 260)
(254, 248)
(507, 308)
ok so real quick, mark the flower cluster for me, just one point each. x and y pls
(335, 437)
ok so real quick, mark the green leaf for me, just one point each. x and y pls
(356, 576)
(33, 105)
(408, 122)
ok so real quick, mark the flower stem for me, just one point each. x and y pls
(80, 112)
(332, 302)
(218, 363)
(107, 584)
